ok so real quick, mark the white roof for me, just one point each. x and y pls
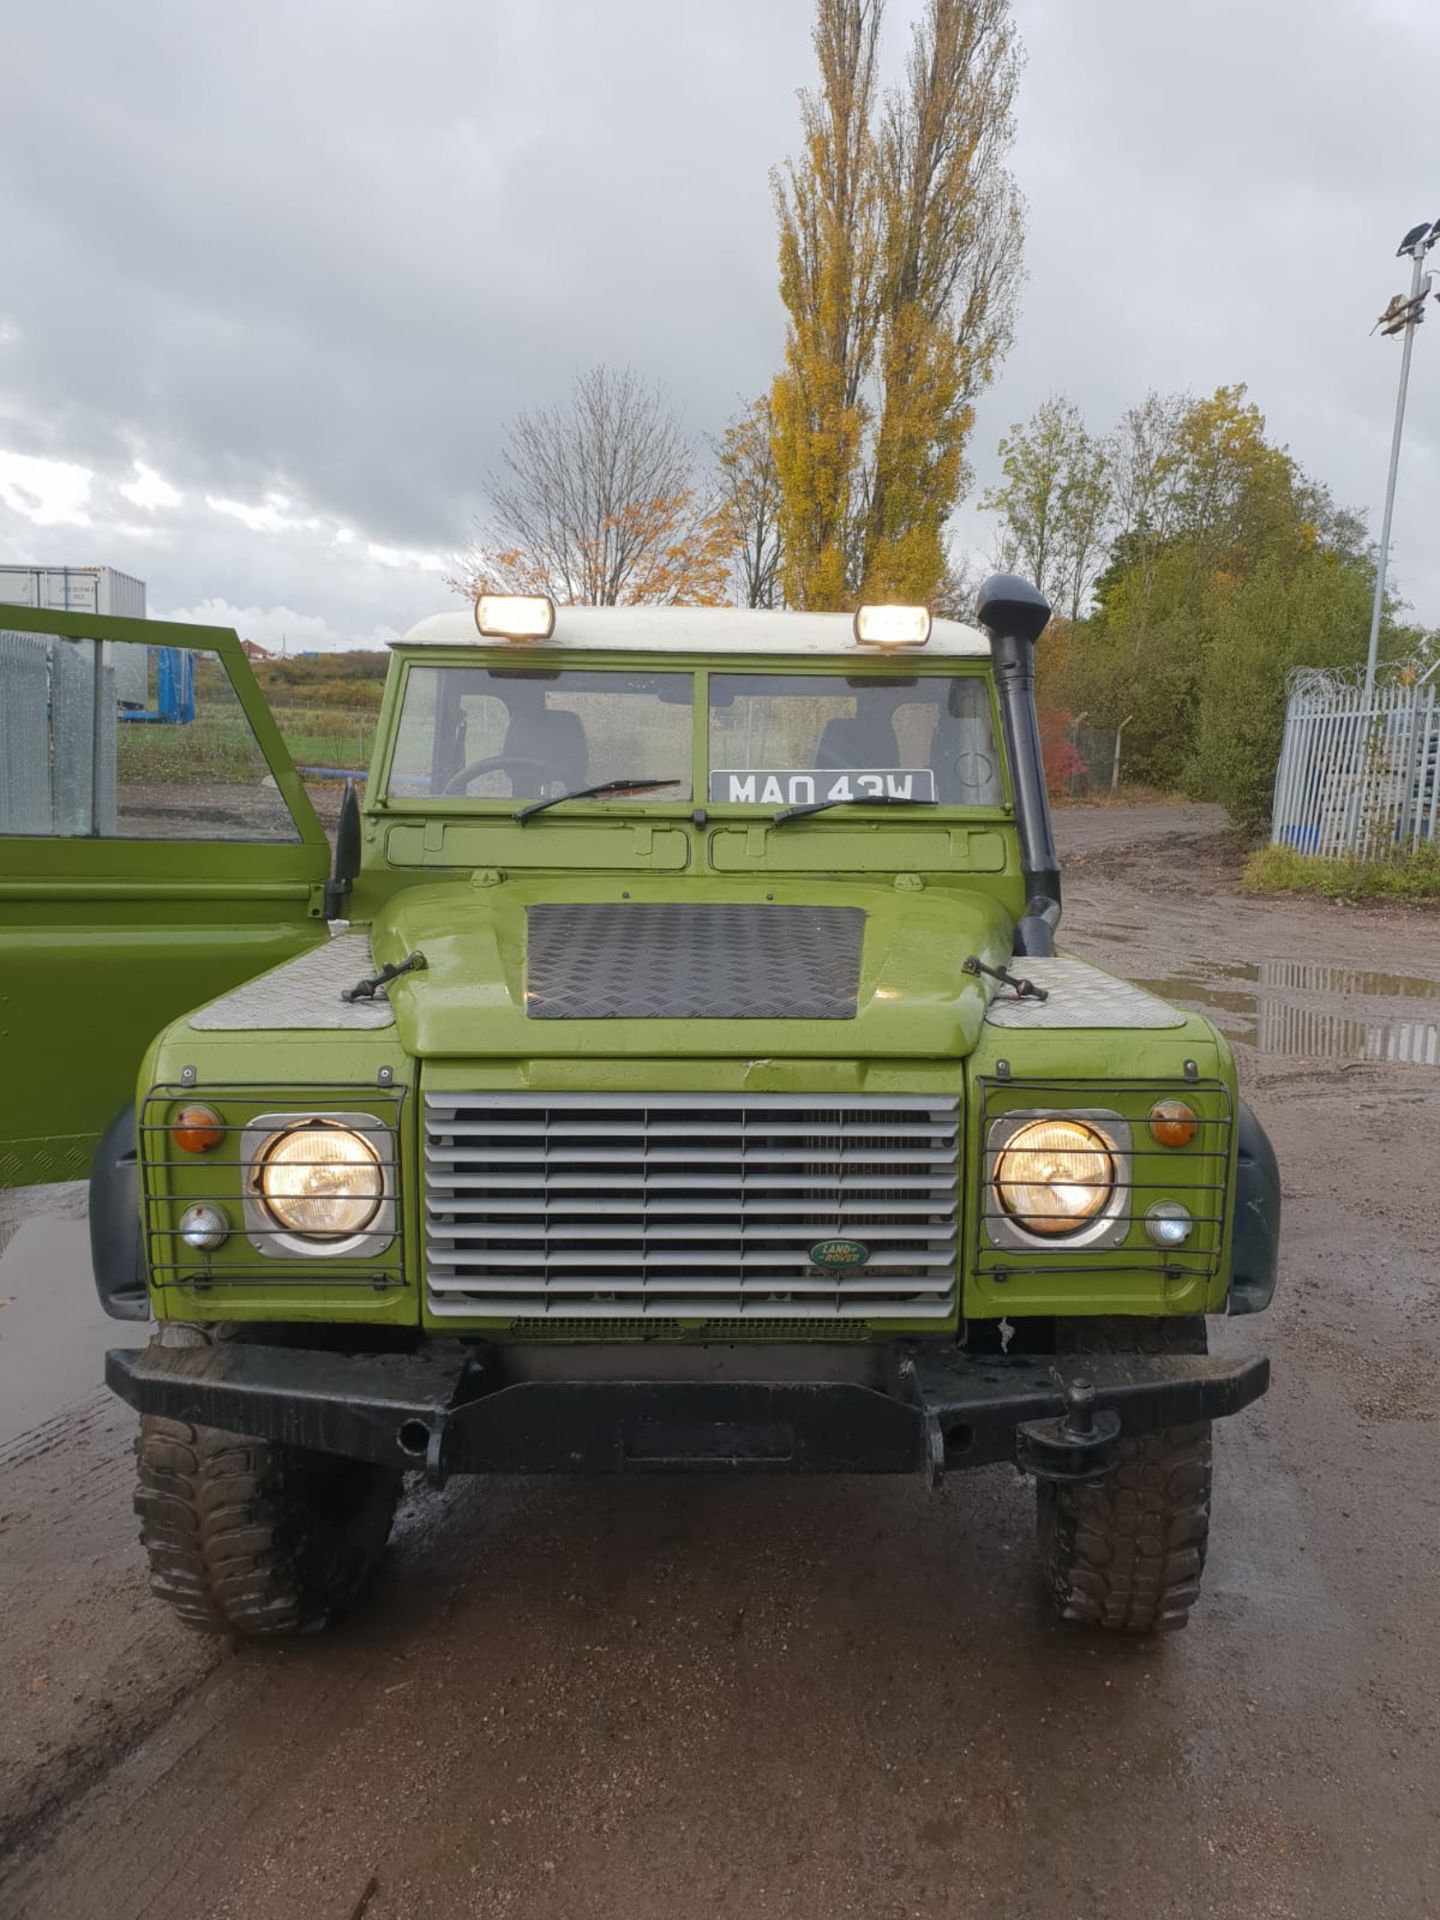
(698, 630)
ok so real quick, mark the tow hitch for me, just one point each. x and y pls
(1078, 1445)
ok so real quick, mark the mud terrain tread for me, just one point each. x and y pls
(1126, 1554)
(252, 1539)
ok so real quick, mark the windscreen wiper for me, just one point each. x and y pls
(522, 814)
(852, 800)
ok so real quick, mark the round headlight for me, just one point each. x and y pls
(325, 1182)
(1055, 1176)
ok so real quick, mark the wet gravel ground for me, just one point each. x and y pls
(814, 1699)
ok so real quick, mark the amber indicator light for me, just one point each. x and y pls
(1172, 1123)
(197, 1129)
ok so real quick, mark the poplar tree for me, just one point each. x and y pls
(830, 241)
(900, 240)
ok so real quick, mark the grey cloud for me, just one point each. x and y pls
(299, 243)
(1216, 195)
(329, 249)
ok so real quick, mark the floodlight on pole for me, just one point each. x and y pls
(1417, 243)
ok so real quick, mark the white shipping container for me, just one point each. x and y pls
(73, 590)
(88, 590)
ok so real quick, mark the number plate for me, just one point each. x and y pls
(798, 786)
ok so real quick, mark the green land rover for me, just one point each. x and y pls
(673, 1071)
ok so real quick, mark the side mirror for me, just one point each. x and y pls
(347, 854)
(1010, 606)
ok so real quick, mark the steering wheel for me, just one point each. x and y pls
(500, 763)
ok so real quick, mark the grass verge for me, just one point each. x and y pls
(1282, 870)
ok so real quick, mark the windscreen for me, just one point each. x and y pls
(529, 733)
(789, 739)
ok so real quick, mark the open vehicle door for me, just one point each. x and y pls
(156, 848)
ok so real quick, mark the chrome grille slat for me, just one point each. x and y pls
(766, 1288)
(603, 1267)
(706, 1104)
(765, 1233)
(680, 1183)
(604, 1130)
(699, 1156)
(661, 1308)
(665, 1206)
(497, 1208)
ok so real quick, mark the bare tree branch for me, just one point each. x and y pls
(599, 503)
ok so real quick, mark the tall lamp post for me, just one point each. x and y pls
(1401, 316)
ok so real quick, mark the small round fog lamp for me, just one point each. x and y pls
(204, 1227)
(1168, 1223)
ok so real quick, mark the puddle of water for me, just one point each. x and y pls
(1281, 1015)
(1313, 976)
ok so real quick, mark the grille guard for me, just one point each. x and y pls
(449, 1408)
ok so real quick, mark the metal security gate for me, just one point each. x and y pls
(1359, 773)
(57, 736)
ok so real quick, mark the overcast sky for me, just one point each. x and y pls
(275, 276)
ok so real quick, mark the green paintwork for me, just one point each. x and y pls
(104, 940)
(241, 1081)
(914, 998)
(455, 877)
(1126, 1072)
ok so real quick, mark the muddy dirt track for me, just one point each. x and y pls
(811, 1699)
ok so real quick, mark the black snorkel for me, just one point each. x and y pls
(1015, 614)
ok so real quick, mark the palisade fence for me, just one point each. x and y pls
(1359, 773)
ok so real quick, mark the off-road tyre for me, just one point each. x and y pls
(253, 1539)
(1126, 1554)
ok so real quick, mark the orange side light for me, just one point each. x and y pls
(1172, 1123)
(197, 1129)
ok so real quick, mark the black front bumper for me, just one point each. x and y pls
(448, 1411)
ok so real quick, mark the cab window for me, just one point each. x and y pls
(792, 738)
(530, 732)
(105, 739)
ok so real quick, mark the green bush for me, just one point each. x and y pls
(1415, 876)
(1311, 612)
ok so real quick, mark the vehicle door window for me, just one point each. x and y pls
(108, 739)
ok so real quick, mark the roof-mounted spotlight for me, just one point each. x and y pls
(892, 626)
(515, 616)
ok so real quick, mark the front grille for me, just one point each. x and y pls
(649, 1207)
